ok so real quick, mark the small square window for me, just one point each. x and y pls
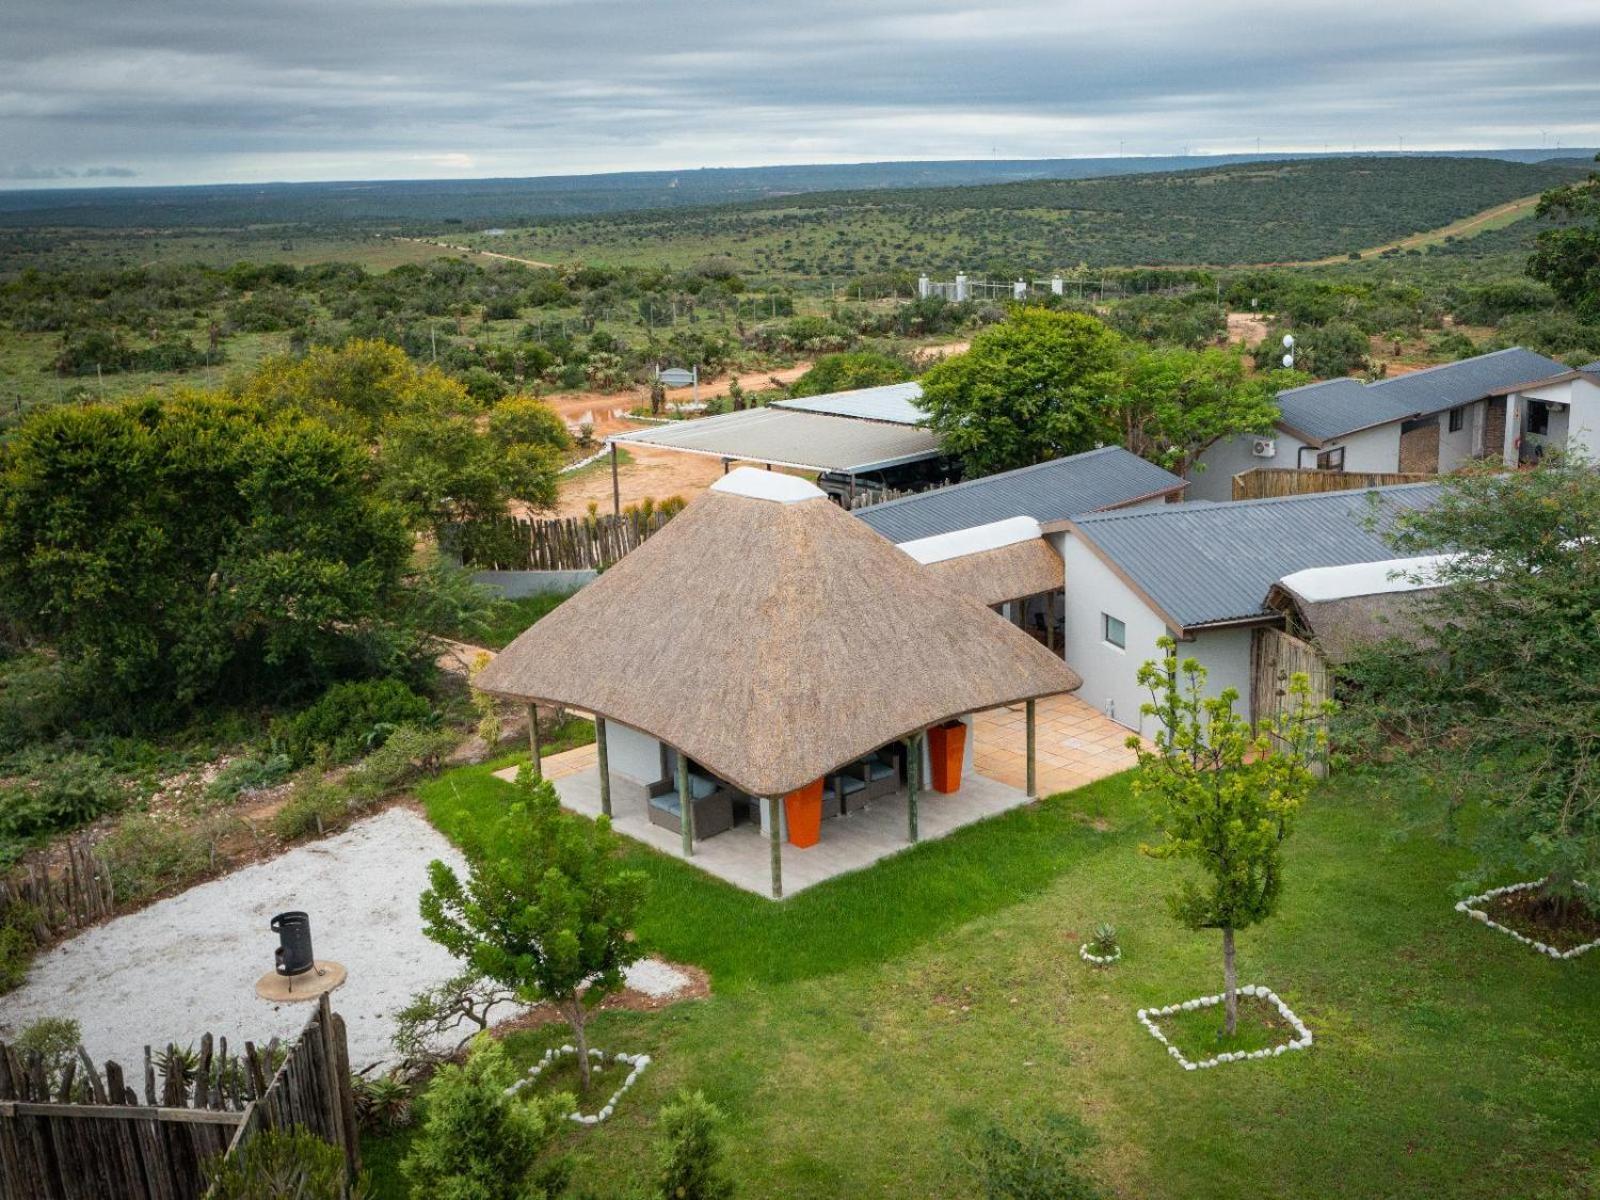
(1114, 631)
(1458, 419)
(1331, 460)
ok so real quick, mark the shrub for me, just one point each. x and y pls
(478, 1143)
(16, 953)
(145, 854)
(1104, 942)
(690, 1151)
(55, 1040)
(409, 752)
(1040, 1163)
(315, 807)
(57, 793)
(383, 1103)
(346, 719)
(250, 775)
(284, 1166)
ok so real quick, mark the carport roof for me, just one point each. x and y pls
(809, 441)
(893, 402)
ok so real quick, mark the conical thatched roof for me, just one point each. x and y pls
(773, 640)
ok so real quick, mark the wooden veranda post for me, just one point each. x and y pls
(537, 766)
(685, 808)
(1033, 789)
(913, 779)
(616, 484)
(776, 837)
(600, 756)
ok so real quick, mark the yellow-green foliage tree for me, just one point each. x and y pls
(1226, 794)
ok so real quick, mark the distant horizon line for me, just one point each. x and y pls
(98, 183)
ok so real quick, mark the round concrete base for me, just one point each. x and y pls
(323, 977)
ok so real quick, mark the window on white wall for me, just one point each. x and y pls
(1331, 459)
(1114, 631)
(1458, 419)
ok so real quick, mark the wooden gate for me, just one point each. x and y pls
(1275, 658)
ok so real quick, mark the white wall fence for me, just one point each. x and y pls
(963, 288)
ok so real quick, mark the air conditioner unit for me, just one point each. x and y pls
(1264, 448)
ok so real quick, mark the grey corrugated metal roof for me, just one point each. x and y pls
(894, 402)
(1592, 369)
(1200, 564)
(1340, 406)
(792, 439)
(1051, 491)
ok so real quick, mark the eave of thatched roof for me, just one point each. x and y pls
(773, 642)
(1341, 628)
(1006, 573)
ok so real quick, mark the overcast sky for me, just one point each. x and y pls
(192, 91)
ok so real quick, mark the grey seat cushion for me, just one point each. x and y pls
(701, 786)
(847, 785)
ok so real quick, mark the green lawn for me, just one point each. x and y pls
(862, 1031)
(509, 618)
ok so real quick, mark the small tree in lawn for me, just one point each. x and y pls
(545, 910)
(1227, 795)
(690, 1150)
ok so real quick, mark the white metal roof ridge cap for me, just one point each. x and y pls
(1316, 584)
(756, 484)
(974, 540)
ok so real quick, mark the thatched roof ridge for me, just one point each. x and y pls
(1005, 573)
(773, 642)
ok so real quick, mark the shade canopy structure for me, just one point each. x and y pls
(772, 638)
(897, 403)
(806, 440)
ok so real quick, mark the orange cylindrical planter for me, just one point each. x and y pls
(947, 747)
(802, 809)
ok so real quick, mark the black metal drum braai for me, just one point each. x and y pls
(294, 943)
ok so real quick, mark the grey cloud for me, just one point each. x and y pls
(193, 90)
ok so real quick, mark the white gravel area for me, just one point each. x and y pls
(189, 965)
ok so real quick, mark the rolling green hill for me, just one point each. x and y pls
(1243, 213)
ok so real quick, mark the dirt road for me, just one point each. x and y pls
(608, 411)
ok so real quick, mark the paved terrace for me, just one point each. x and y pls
(1075, 746)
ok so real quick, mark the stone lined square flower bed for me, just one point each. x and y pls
(1249, 995)
(1505, 903)
(635, 1062)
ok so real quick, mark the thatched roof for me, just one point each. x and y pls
(1343, 609)
(1007, 573)
(773, 640)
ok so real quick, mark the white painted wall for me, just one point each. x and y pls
(1575, 427)
(1110, 675)
(1456, 448)
(1211, 478)
(632, 754)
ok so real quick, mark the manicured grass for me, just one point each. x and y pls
(860, 1033)
(1199, 1033)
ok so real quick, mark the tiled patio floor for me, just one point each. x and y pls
(1075, 745)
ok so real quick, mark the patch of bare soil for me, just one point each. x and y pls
(653, 473)
(1246, 328)
(608, 411)
(1535, 915)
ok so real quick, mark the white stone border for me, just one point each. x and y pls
(1099, 960)
(1477, 914)
(1300, 1042)
(637, 1061)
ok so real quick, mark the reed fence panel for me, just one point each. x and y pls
(1265, 483)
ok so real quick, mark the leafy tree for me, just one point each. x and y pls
(1499, 695)
(843, 372)
(1227, 795)
(198, 546)
(546, 909)
(690, 1151)
(1175, 403)
(1325, 351)
(1035, 387)
(357, 387)
(1568, 258)
(478, 1143)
